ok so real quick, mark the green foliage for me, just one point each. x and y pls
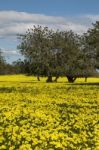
(93, 40)
(56, 53)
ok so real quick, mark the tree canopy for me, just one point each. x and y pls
(92, 37)
(57, 53)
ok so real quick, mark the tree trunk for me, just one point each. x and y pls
(38, 78)
(49, 79)
(56, 78)
(71, 79)
(85, 79)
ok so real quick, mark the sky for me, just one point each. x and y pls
(16, 16)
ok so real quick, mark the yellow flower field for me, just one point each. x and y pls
(48, 116)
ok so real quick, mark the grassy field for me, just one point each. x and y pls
(48, 116)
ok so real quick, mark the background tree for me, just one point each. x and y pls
(93, 40)
(2, 63)
(88, 61)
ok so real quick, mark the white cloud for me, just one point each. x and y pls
(8, 52)
(13, 22)
(93, 18)
(8, 16)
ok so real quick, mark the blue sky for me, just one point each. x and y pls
(16, 16)
(52, 7)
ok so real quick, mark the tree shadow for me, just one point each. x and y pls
(76, 106)
(91, 83)
(7, 89)
(34, 91)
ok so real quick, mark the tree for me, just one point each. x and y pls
(76, 58)
(56, 53)
(21, 67)
(88, 60)
(68, 53)
(36, 47)
(2, 63)
(93, 40)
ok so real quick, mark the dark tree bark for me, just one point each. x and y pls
(71, 79)
(38, 78)
(49, 79)
(85, 79)
(56, 78)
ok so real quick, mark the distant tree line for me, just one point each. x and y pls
(58, 53)
(6, 68)
(2, 63)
